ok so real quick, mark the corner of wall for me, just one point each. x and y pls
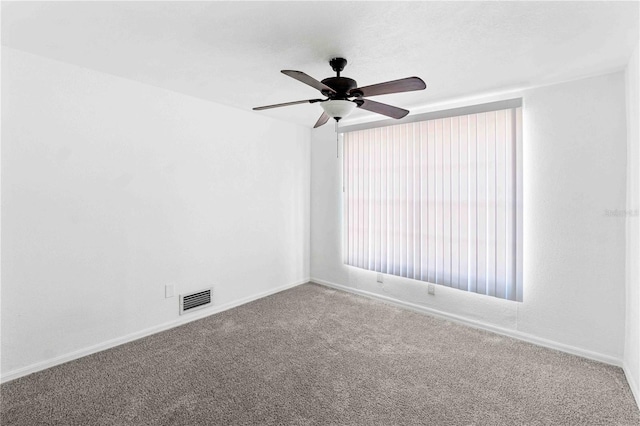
(631, 360)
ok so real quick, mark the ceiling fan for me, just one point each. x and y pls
(344, 95)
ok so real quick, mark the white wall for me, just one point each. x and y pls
(574, 255)
(632, 334)
(112, 189)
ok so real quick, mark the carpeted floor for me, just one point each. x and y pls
(312, 355)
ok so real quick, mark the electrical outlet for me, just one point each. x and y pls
(431, 288)
(168, 291)
(379, 278)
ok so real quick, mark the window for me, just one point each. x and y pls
(439, 200)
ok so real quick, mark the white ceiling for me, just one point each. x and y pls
(232, 52)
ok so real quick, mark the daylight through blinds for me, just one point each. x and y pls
(438, 201)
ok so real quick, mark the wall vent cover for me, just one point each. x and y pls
(193, 301)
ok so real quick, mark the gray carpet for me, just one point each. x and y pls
(312, 355)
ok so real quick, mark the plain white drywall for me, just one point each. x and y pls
(112, 189)
(574, 254)
(632, 330)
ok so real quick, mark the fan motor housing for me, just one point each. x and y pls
(342, 86)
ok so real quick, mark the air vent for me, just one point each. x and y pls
(194, 301)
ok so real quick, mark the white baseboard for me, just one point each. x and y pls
(632, 384)
(43, 365)
(607, 359)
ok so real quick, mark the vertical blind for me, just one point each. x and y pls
(438, 201)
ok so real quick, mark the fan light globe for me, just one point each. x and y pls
(338, 108)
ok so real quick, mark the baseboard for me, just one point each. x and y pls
(596, 356)
(632, 384)
(43, 365)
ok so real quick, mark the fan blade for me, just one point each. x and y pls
(308, 101)
(396, 86)
(322, 120)
(384, 109)
(307, 79)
